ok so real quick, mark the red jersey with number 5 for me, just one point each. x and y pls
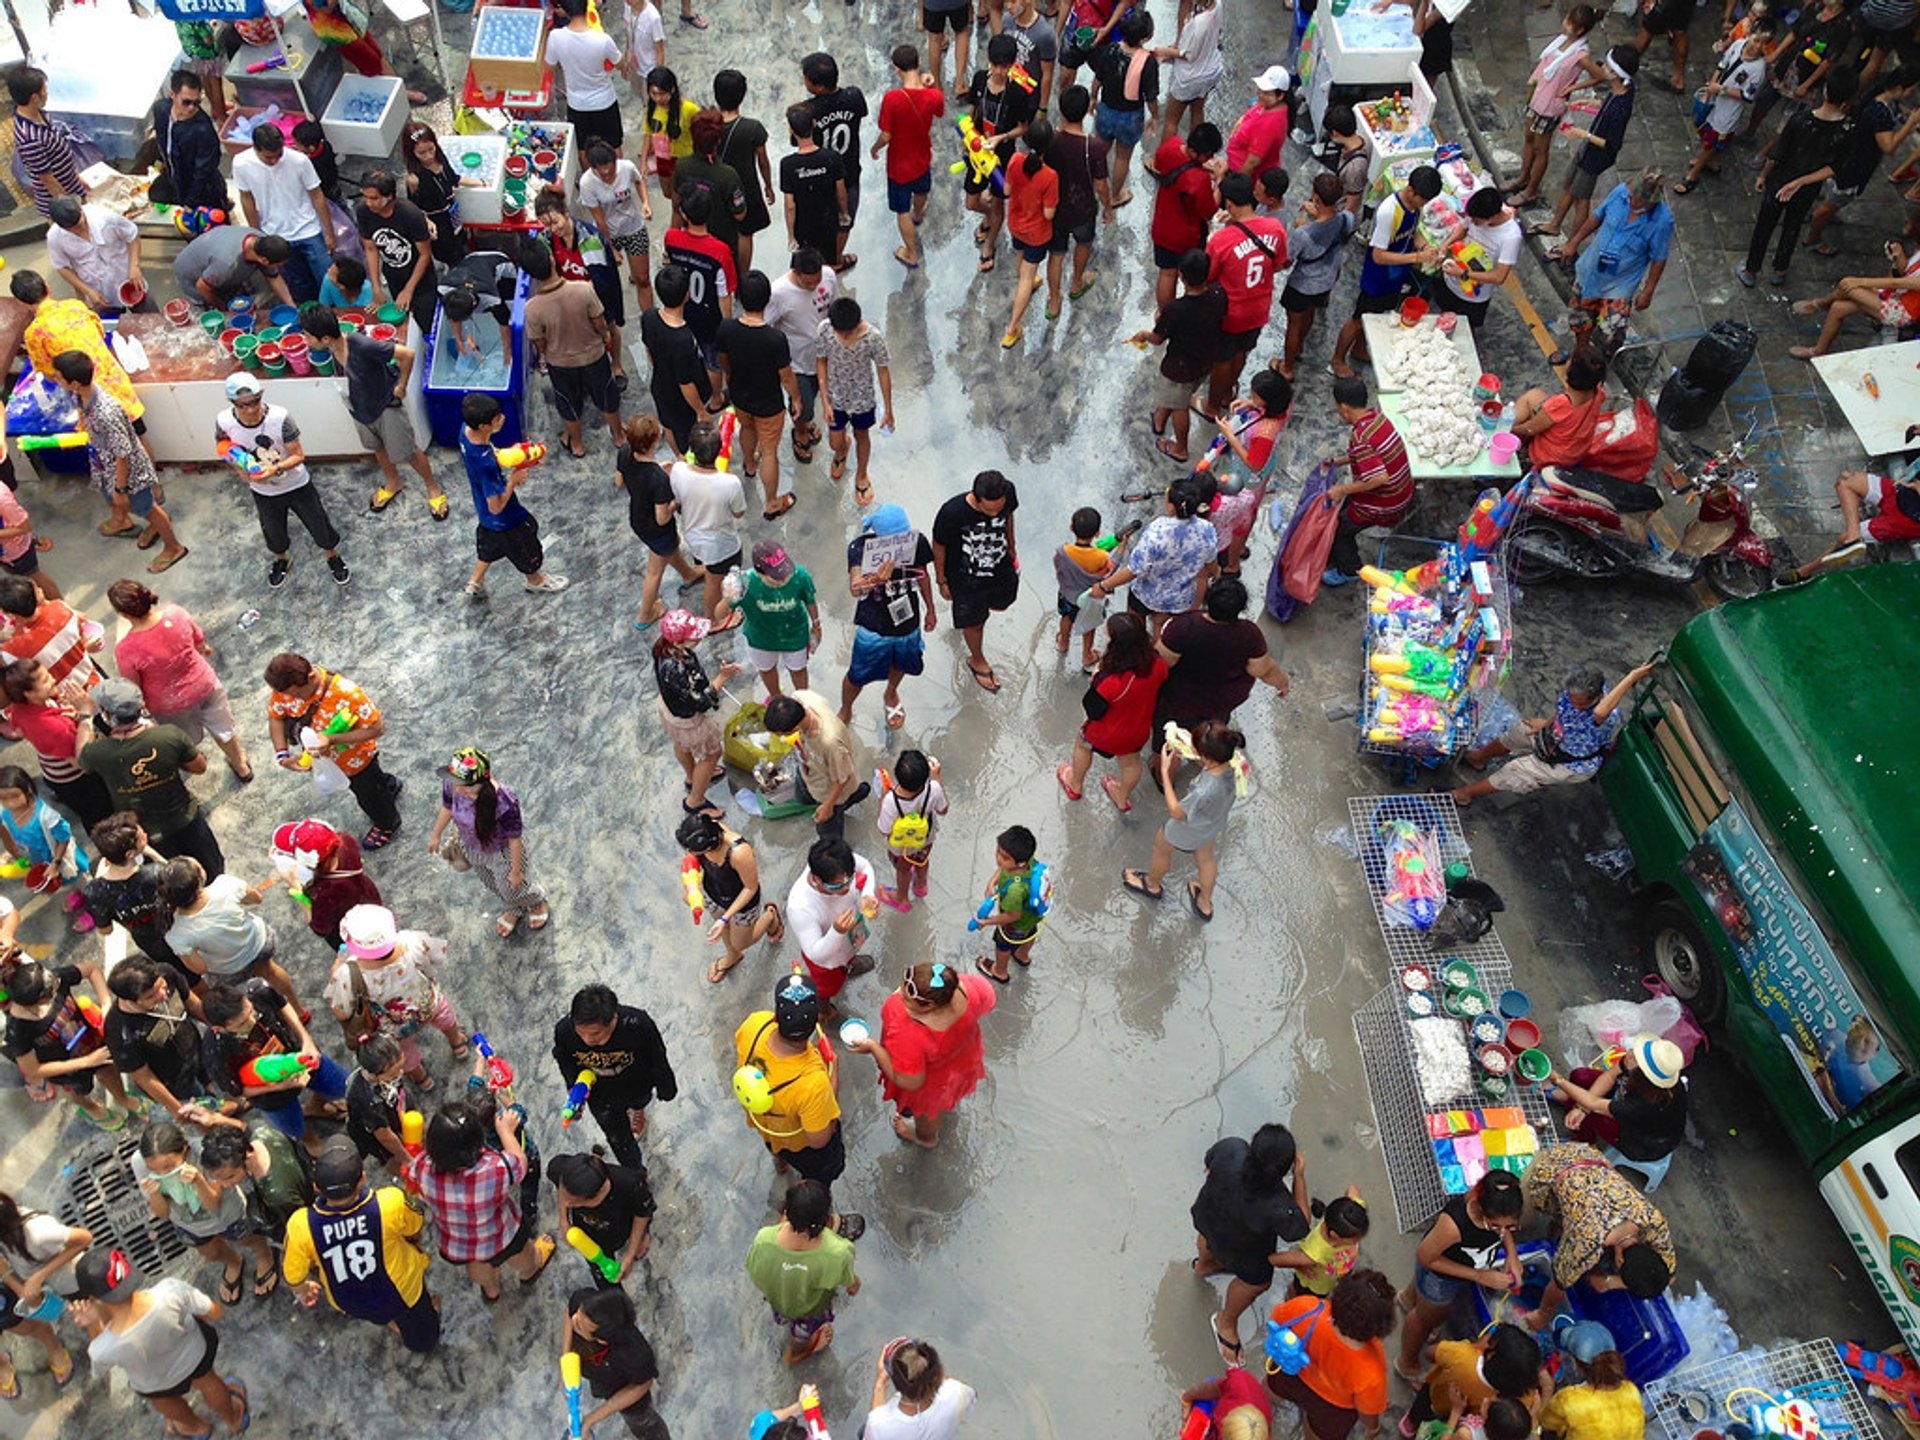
(1247, 255)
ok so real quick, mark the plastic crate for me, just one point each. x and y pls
(366, 115)
(104, 1198)
(1644, 1331)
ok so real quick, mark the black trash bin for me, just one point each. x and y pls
(1716, 361)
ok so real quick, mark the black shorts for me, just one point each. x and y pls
(200, 1371)
(611, 291)
(575, 387)
(519, 546)
(1072, 57)
(1238, 342)
(958, 21)
(666, 543)
(27, 564)
(1291, 299)
(723, 567)
(825, 1164)
(1066, 236)
(1167, 259)
(1322, 1418)
(1365, 304)
(1668, 17)
(592, 125)
(971, 607)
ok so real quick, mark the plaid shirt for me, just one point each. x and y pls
(476, 1209)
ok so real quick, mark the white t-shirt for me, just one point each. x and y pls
(164, 1346)
(583, 56)
(280, 192)
(101, 256)
(276, 428)
(1502, 243)
(618, 199)
(797, 312)
(939, 1421)
(1738, 86)
(1197, 67)
(811, 914)
(711, 505)
(646, 33)
(46, 1238)
(227, 935)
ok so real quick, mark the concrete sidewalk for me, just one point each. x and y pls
(1800, 439)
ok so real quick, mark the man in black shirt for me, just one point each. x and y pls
(1081, 163)
(837, 112)
(621, 1045)
(680, 385)
(814, 182)
(1804, 154)
(758, 362)
(1000, 111)
(156, 1044)
(398, 245)
(613, 1204)
(976, 562)
(1189, 325)
(616, 1362)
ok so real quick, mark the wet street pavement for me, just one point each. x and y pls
(1043, 1246)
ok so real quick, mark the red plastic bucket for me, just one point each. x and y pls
(1412, 310)
(1522, 1034)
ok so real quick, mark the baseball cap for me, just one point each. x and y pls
(240, 383)
(1659, 1060)
(369, 931)
(683, 627)
(770, 558)
(889, 519)
(119, 700)
(1585, 1339)
(796, 1007)
(105, 1275)
(1274, 77)
(308, 841)
(338, 1171)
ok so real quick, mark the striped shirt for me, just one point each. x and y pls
(1375, 449)
(45, 147)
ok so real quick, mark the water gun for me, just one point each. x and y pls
(729, 427)
(576, 1098)
(570, 1382)
(987, 907)
(272, 62)
(690, 890)
(339, 725)
(276, 1069)
(1407, 685)
(15, 867)
(499, 1072)
(1199, 1421)
(1113, 541)
(591, 1252)
(1022, 77)
(1407, 717)
(812, 1414)
(243, 460)
(1414, 581)
(980, 155)
(413, 1131)
(1415, 662)
(1890, 1374)
(1472, 256)
(192, 220)
(66, 440)
(1415, 888)
(515, 457)
(1243, 417)
(90, 1013)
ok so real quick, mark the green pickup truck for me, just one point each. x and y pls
(1768, 782)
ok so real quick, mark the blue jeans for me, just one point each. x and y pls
(308, 268)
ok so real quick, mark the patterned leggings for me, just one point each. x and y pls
(491, 867)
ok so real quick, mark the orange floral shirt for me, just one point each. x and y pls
(338, 696)
(62, 325)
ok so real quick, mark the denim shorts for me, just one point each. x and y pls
(900, 193)
(875, 657)
(329, 1082)
(1122, 127)
(1437, 1289)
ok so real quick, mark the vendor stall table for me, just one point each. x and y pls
(108, 101)
(306, 83)
(1879, 421)
(1729, 1387)
(525, 102)
(1380, 330)
(1482, 466)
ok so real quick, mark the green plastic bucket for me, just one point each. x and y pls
(244, 346)
(213, 322)
(322, 361)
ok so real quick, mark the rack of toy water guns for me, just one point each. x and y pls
(1453, 1077)
(1439, 636)
(1793, 1392)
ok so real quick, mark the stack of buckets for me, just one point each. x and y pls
(278, 348)
(1504, 1041)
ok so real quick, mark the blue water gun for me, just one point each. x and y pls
(987, 907)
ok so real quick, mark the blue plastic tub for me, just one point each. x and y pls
(1644, 1331)
(449, 381)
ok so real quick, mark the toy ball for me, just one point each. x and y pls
(751, 1089)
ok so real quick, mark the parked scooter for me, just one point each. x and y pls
(1584, 525)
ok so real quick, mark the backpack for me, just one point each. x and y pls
(912, 830)
(1287, 1351)
(1040, 889)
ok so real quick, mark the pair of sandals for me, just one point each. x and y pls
(1136, 881)
(265, 1282)
(438, 506)
(508, 921)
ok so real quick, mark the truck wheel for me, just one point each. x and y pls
(1683, 958)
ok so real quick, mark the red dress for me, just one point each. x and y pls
(954, 1060)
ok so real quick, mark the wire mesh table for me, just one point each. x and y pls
(1805, 1380)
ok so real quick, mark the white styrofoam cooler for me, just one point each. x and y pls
(477, 205)
(357, 137)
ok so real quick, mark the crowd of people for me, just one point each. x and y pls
(333, 1166)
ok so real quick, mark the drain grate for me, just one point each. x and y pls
(103, 1197)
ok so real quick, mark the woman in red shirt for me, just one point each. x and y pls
(1033, 195)
(52, 728)
(1119, 706)
(930, 1053)
(1559, 428)
(165, 654)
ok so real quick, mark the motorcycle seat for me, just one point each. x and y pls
(1629, 497)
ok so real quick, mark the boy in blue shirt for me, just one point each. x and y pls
(505, 529)
(346, 286)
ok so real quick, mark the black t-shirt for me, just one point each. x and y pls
(1112, 63)
(398, 239)
(135, 903)
(610, 1223)
(647, 485)
(1243, 1227)
(1823, 39)
(755, 356)
(615, 1360)
(1436, 48)
(60, 1034)
(1478, 1247)
(1860, 155)
(1806, 144)
(876, 610)
(166, 1041)
(1649, 1130)
(811, 179)
(1079, 160)
(270, 1035)
(367, 1112)
(724, 189)
(632, 1066)
(1192, 325)
(676, 361)
(491, 276)
(740, 146)
(1210, 680)
(999, 113)
(836, 126)
(978, 559)
(1610, 127)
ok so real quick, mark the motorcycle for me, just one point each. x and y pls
(1585, 525)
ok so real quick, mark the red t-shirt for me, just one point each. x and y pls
(54, 736)
(1028, 199)
(906, 118)
(1240, 1387)
(1128, 722)
(1183, 205)
(1247, 255)
(1260, 133)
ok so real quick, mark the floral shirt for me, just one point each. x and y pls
(62, 325)
(111, 438)
(850, 368)
(1167, 561)
(1574, 1185)
(402, 989)
(338, 695)
(1582, 736)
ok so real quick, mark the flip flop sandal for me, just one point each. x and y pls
(540, 918)
(263, 1287)
(717, 971)
(1136, 881)
(896, 716)
(11, 1390)
(1110, 785)
(893, 899)
(900, 254)
(1166, 447)
(167, 562)
(230, 1287)
(698, 22)
(980, 964)
(803, 454)
(986, 264)
(148, 539)
(838, 469)
(1685, 187)
(1053, 312)
(544, 1247)
(439, 507)
(1230, 1350)
(1826, 249)
(985, 679)
(1060, 773)
(61, 1378)
(1193, 902)
(463, 1051)
(125, 534)
(1092, 280)
(732, 622)
(506, 923)
(862, 493)
(382, 498)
